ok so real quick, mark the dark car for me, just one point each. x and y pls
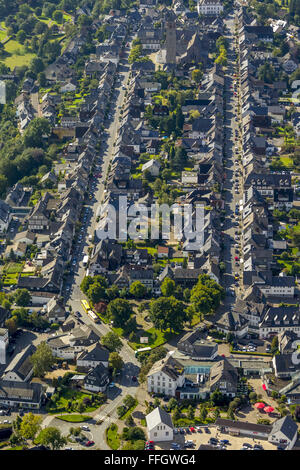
(224, 441)
(134, 379)
(246, 444)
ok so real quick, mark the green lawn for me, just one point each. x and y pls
(151, 251)
(156, 338)
(74, 418)
(17, 55)
(112, 437)
(13, 268)
(128, 412)
(286, 161)
(67, 395)
(2, 35)
(10, 279)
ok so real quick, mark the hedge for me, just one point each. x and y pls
(249, 353)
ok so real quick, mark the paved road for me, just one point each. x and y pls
(233, 170)
(124, 385)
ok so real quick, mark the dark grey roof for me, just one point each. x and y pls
(21, 364)
(95, 353)
(20, 391)
(287, 426)
(284, 364)
(97, 377)
(244, 425)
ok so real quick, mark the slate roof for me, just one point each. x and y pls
(287, 426)
(157, 417)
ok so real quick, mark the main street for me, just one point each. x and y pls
(123, 384)
(233, 174)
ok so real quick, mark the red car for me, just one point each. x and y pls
(192, 429)
(89, 443)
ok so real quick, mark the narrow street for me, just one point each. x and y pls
(233, 174)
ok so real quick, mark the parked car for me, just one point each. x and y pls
(89, 443)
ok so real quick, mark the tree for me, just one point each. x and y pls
(37, 65)
(217, 398)
(30, 425)
(12, 325)
(115, 361)
(52, 437)
(129, 401)
(266, 73)
(133, 434)
(179, 118)
(206, 295)
(203, 414)
(172, 403)
(180, 158)
(230, 414)
(168, 312)
(42, 359)
(191, 412)
(58, 16)
(21, 36)
(197, 75)
(167, 287)
(186, 294)
(3, 185)
(42, 79)
(274, 345)
(22, 297)
(36, 129)
(119, 312)
(96, 292)
(129, 421)
(112, 342)
(86, 283)
(176, 414)
(137, 289)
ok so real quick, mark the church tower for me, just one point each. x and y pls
(170, 39)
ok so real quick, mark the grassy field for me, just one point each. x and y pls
(17, 56)
(156, 338)
(13, 268)
(69, 395)
(10, 279)
(128, 412)
(286, 161)
(74, 418)
(112, 437)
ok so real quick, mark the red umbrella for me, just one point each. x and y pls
(259, 405)
(269, 409)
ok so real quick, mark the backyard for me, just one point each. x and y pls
(69, 399)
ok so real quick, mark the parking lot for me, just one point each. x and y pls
(201, 437)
